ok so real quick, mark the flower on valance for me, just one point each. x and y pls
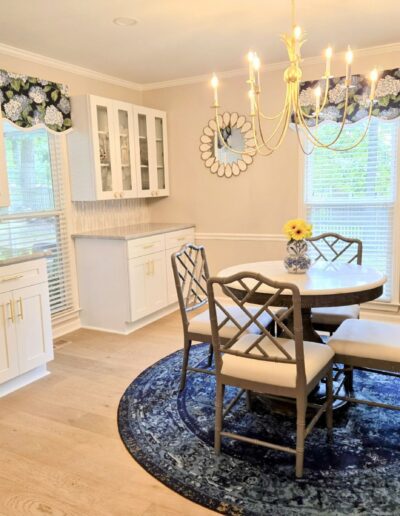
(28, 101)
(387, 98)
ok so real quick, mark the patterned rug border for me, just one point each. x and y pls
(151, 468)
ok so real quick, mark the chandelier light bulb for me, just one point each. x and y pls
(250, 56)
(297, 32)
(214, 82)
(349, 56)
(256, 63)
(374, 75)
(328, 53)
(317, 92)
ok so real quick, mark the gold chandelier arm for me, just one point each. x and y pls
(309, 133)
(307, 153)
(354, 145)
(271, 149)
(282, 117)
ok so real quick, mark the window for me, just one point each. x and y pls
(354, 193)
(35, 219)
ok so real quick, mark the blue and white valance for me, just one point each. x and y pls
(28, 101)
(387, 98)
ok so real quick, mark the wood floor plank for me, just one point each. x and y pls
(60, 451)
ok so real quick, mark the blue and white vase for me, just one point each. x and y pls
(297, 261)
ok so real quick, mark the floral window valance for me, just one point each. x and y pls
(387, 98)
(28, 101)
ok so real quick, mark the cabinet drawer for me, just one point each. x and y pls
(22, 274)
(179, 238)
(144, 246)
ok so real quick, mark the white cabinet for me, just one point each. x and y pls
(101, 149)
(151, 152)
(148, 288)
(26, 342)
(131, 284)
(116, 150)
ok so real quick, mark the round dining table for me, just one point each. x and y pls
(325, 284)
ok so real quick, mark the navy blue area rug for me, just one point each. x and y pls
(171, 435)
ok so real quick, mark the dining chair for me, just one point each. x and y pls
(283, 366)
(367, 345)
(191, 273)
(332, 247)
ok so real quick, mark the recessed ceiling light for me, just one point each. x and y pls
(125, 22)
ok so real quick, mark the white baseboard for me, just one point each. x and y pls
(133, 326)
(23, 380)
(66, 324)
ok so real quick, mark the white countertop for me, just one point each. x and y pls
(323, 278)
(23, 257)
(133, 231)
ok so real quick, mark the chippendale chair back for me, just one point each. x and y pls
(331, 247)
(241, 288)
(191, 274)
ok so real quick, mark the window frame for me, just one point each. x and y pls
(63, 212)
(394, 305)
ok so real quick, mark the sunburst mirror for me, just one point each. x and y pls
(236, 132)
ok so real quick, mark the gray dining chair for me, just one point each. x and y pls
(332, 247)
(283, 366)
(367, 345)
(191, 273)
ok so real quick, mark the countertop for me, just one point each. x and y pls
(133, 231)
(23, 257)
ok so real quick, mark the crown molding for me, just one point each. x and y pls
(67, 67)
(281, 65)
(110, 79)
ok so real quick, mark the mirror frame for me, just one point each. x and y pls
(235, 121)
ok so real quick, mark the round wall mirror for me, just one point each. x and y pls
(229, 151)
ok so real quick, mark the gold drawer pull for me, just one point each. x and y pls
(11, 317)
(181, 238)
(10, 278)
(148, 246)
(21, 308)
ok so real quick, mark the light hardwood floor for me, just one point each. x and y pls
(60, 451)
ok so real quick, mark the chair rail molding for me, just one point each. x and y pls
(263, 237)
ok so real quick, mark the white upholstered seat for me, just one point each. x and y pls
(334, 315)
(200, 324)
(316, 357)
(367, 339)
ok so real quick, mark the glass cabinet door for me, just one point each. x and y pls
(125, 134)
(144, 152)
(159, 131)
(103, 132)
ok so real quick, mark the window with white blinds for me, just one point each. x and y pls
(354, 193)
(35, 219)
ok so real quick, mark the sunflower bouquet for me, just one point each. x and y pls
(297, 230)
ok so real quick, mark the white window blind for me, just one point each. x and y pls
(354, 193)
(35, 219)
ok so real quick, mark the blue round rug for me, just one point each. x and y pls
(171, 435)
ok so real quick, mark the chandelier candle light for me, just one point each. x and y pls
(292, 110)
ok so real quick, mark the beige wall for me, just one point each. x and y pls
(261, 199)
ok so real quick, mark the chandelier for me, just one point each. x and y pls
(292, 111)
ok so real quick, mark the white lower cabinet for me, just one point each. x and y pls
(132, 284)
(26, 342)
(148, 287)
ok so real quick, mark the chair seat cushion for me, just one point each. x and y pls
(367, 339)
(316, 357)
(334, 315)
(201, 323)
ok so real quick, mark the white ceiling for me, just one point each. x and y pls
(183, 38)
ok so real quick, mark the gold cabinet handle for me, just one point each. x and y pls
(21, 308)
(10, 278)
(149, 246)
(152, 267)
(11, 317)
